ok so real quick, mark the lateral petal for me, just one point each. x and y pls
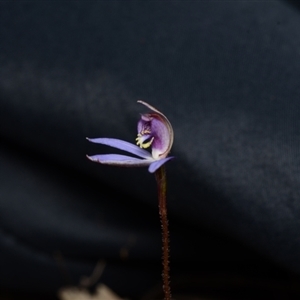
(122, 145)
(158, 163)
(119, 160)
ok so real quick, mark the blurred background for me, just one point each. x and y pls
(226, 74)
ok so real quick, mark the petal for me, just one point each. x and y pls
(122, 145)
(158, 163)
(120, 160)
(162, 129)
(150, 107)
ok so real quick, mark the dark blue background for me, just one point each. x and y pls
(226, 74)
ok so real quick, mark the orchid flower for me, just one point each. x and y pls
(155, 130)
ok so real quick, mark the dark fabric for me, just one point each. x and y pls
(226, 74)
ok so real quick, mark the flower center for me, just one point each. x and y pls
(144, 138)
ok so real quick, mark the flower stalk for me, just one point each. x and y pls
(155, 131)
(160, 176)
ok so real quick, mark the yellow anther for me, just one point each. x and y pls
(140, 143)
(146, 145)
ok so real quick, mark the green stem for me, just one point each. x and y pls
(160, 176)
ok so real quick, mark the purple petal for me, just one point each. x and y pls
(162, 138)
(122, 145)
(161, 129)
(158, 163)
(120, 160)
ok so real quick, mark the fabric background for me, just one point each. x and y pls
(226, 74)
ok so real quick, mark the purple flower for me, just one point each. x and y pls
(155, 130)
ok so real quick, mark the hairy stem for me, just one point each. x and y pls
(160, 176)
